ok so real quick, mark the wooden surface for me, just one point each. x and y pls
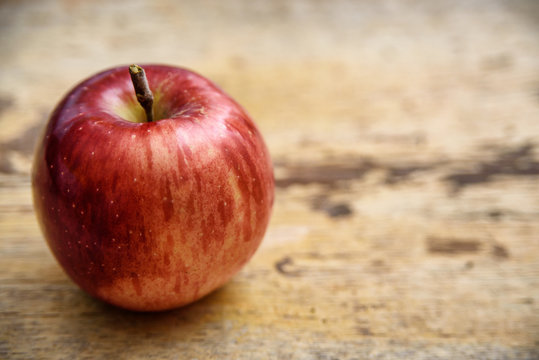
(405, 137)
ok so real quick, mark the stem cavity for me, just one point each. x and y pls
(142, 90)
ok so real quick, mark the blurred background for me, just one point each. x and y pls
(405, 139)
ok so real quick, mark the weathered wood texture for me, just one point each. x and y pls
(405, 136)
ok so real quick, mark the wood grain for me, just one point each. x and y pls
(405, 138)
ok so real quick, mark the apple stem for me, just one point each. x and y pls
(142, 90)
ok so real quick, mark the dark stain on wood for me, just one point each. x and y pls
(495, 215)
(513, 162)
(378, 266)
(5, 103)
(285, 266)
(23, 144)
(332, 209)
(452, 246)
(6, 166)
(325, 174)
(399, 174)
(365, 331)
(527, 301)
(345, 170)
(499, 252)
(338, 210)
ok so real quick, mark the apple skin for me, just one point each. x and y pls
(151, 216)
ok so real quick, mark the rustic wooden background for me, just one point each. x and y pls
(405, 137)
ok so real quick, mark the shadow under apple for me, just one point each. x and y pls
(86, 327)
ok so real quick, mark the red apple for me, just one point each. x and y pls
(151, 215)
